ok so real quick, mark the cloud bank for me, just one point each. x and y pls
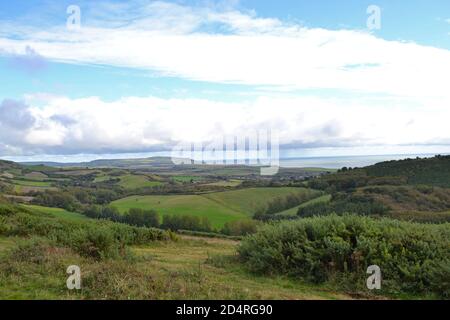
(90, 125)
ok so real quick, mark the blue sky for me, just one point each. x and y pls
(420, 21)
(142, 76)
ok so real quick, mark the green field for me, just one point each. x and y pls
(24, 186)
(219, 207)
(29, 183)
(130, 181)
(57, 212)
(194, 205)
(249, 200)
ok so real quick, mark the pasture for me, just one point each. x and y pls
(249, 200)
(219, 207)
(194, 205)
(131, 181)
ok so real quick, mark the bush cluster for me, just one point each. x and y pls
(343, 203)
(96, 239)
(414, 258)
(280, 204)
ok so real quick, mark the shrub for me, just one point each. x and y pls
(139, 217)
(414, 258)
(240, 227)
(343, 203)
(7, 210)
(279, 204)
(97, 239)
(186, 222)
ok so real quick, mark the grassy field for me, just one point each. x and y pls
(133, 182)
(30, 183)
(249, 200)
(195, 205)
(57, 212)
(219, 207)
(25, 186)
(129, 181)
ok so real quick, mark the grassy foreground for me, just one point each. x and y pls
(190, 268)
(123, 262)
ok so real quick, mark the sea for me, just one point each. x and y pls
(343, 161)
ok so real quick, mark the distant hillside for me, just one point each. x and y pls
(433, 171)
(8, 165)
(413, 189)
(429, 171)
(114, 163)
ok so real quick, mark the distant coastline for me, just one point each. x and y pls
(337, 162)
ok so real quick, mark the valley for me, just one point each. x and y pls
(212, 232)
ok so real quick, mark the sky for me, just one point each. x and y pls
(136, 78)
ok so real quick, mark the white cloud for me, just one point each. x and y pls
(90, 125)
(184, 42)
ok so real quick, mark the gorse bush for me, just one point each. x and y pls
(343, 203)
(414, 258)
(289, 201)
(96, 239)
(134, 217)
(240, 227)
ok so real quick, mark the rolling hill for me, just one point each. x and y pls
(219, 207)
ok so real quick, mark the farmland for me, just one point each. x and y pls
(219, 207)
(250, 200)
(195, 205)
(193, 233)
